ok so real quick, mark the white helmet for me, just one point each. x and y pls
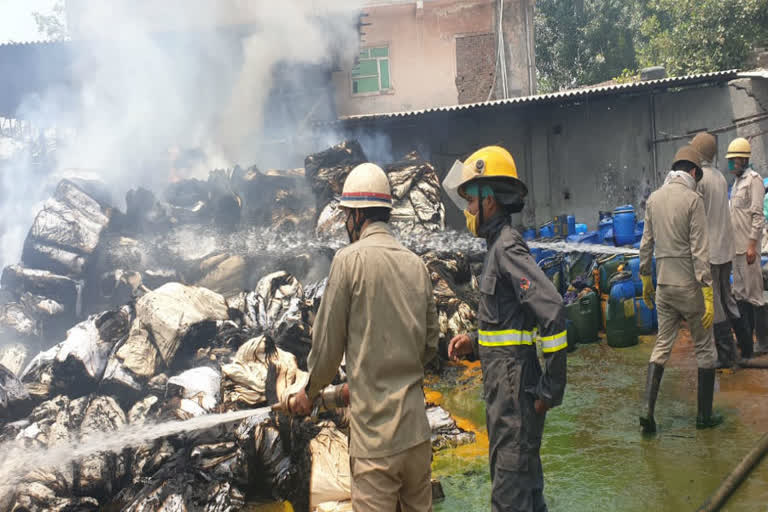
(366, 186)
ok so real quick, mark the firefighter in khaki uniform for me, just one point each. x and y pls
(747, 217)
(676, 227)
(517, 300)
(714, 191)
(378, 309)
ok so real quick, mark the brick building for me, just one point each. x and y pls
(428, 53)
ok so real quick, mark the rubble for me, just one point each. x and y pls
(445, 433)
(194, 302)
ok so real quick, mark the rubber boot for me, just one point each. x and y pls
(726, 351)
(655, 371)
(761, 330)
(743, 328)
(705, 418)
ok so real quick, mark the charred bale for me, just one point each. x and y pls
(17, 323)
(143, 213)
(15, 356)
(66, 231)
(327, 170)
(101, 475)
(455, 294)
(19, 280)
(417, 205)
(181, 317)
(135, 361)
(224, 274)
(82, 358)
(14, 398)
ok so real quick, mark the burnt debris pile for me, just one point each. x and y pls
(196, 301)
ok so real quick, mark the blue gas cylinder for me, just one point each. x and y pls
(529, 234)
(624, 222)
(547, 230)
(591, 237)
(606, 225)
(571, 225)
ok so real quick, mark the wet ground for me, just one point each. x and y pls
(593, 454)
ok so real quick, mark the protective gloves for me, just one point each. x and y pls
(709, 307)
(649, 293)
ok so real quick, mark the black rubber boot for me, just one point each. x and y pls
(655, 371)
(761, 330)
(743, 328)
(726, 351)
(705, 418)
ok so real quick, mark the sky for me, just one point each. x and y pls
(16, 22)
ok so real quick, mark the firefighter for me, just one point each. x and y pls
(379, 311)
(518, 306)
(676, 227)
(747, 217)
(714, 191)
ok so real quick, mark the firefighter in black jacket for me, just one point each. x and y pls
(519, 306)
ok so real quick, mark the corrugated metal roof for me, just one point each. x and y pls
(28, 43)
(572, 94)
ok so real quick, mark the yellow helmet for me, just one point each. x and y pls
(739, 148)
(493, 166)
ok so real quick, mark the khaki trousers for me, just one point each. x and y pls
(378, 483)
(675, 304)
(748, 281)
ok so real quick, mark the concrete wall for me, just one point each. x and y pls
(422, 49)
(592, 155)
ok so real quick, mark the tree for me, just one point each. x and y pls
(696, 36)
(582, 42)
(53, 26)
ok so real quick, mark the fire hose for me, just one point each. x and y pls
(736, 477)
(329, 399)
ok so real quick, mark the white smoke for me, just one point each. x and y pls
(173, 89)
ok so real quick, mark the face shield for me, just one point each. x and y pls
(451, 185)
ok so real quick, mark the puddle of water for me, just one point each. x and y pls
(593, 454)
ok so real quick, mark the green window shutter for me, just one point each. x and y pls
(365, 53)
(362, 85)
(384, 73)
(380, 52)
(367, 68)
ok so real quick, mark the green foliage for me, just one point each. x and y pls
(582, 42)
(626, 76)
(695, 36)
(52, 26)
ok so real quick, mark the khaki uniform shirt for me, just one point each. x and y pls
(676, 226)
(378, 308)
(714, 190)
(747, 210)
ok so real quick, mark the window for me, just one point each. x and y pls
(372, 71)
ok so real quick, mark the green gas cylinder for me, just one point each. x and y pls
(585, 318)
(620, 323)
